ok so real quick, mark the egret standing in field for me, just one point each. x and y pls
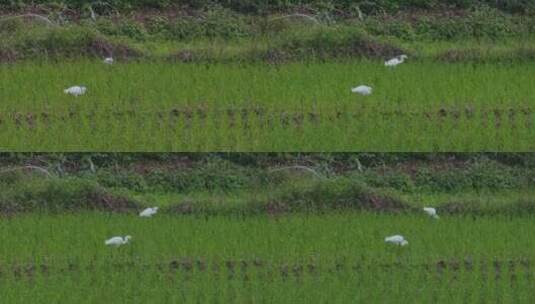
(432, 212)
(148, 212)
(397, 240)
(117, 241)
(362, 90)
(395, 61)
(108, 60)
(76, 90)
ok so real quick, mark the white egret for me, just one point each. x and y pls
(397, 239)
(108, 60)
(76, 90)
(432, 212)
(395, 61)
(117, 241)
(148, 212)
(362, 90)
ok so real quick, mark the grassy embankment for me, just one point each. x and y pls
(214, 185)
(217, 33)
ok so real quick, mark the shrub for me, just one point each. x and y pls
(262, 6)
(326, 42)
(341, 193)
(445, 181)
(122, 179)
(57, 195)
(483, 174)
(68, 41)
(492, 175)
(132, 30)
(215, 22)
(389, 179)
(443, 28)
(396, 28)
(11, 177)
(10, 26)
(158, 25)
(214, 175)
(220, 22)
(485, 22)
(185, 28)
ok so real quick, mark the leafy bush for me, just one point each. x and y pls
(11, 177)
(185, 29)
(158, 25)
(491, 175)
(443, 29)
(482, 23)
(481, 175)
(327, 42)
(57, 195)
(208, 177)
(215, 22)
(453, 180)
(132, 30)
(389, 179)
(67, 41)
(261, 6)
(333, 194)
(122, 179)
(515, 208)
(220, 22)
(396, 28)
(485, 22)
(10, 26)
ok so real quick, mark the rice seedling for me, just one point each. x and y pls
(423, 106)
(299, 258)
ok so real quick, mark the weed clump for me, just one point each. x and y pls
(330, 42)
(69, 41)
(214, 175)
(515, 208)
(337, 194)
(59, 195)
(475, 177)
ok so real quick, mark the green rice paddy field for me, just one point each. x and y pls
(156, 106)
(329, 258)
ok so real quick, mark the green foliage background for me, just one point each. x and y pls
(259, 6)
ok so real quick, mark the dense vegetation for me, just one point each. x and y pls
(258, 6)
(218, 33)
(268, 183)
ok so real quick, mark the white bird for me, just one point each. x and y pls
(148, 212)
(397, 239)
(395, 61)
(76, 90)
(117, 241)
(432, 212)
(362, 90)
(108, 60)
